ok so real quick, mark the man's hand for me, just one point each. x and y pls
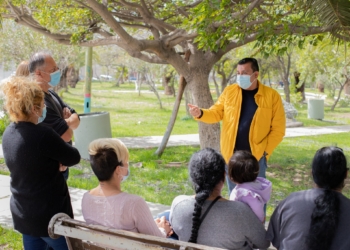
(73, 121)
(62, 168)
(66, 113)
(194, 110)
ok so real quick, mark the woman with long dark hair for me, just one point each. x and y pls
(318, 218)
(209, 219)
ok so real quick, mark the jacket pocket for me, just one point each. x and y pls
(261, 124)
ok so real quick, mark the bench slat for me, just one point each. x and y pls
(82, 236)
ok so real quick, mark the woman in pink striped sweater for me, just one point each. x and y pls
(107, 204)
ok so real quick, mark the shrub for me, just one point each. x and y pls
(4, 122)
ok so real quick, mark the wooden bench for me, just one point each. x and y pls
(82, 236)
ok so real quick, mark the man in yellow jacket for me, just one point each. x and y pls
(252, 115)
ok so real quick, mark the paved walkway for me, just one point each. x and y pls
(146, 142)
(193, 139)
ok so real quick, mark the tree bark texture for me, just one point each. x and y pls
(209, 134)
(169, 129)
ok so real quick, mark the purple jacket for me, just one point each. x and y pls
(255, 194)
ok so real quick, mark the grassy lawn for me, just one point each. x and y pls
(132, 114)
(289, 166)
(9, 239)
(160, 180)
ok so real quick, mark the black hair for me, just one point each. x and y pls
(207, 169)
(243, 167)
(253, 62)
(37, 60)
(104, 163)
(329, 170)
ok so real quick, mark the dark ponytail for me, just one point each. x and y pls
(329, 171)
(200, 199)
(207, 169)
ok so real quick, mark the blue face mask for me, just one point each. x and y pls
(244, 81)
(55, 78)
(43, 115)
(126, 176)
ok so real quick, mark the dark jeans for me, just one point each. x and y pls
(174, 236)
(43, 243)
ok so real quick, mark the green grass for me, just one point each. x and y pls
(131, 114)
(161, 180)
(340, 116)
(157, 180)
(289, 166)
(9, 239)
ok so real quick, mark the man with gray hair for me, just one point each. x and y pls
(59, 116)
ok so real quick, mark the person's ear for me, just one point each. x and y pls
(117, 170)
(34, 110)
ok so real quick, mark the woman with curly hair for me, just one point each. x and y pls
(33, 154)
(318, 218)
(209, 219)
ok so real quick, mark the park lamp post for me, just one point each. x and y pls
(88, 77)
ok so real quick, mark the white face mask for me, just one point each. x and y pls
(244, 81)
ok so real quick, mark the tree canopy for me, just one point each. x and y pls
(149, 30)
(162, 31)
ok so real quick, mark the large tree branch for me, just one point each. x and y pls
(111, 22)
(58, 37)
(146, 57)
(251, 7)
(176, 37)
(148, 18)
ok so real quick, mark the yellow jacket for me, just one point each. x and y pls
(268, 125)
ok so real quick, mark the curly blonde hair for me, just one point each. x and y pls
(23, 69)
(21, 95)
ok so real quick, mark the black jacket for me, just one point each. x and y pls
(39, 191)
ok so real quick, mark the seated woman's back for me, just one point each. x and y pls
(290, 222)
(207, 218)
(229, 224)
(121, 211)
(315, 219)
(107, 204)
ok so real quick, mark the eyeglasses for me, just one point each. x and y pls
(41, 107)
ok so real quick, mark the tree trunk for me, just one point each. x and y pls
(188, 99)
(209, 134)
(223, 83)
(162, 146)
(72, 76)
(347, 88)
(216, 84)
(120, 79)
(63, 81)
(285, 68)
(339, 94)
(286, 89)
(168, 88)
(150, 82)
(300, 89)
